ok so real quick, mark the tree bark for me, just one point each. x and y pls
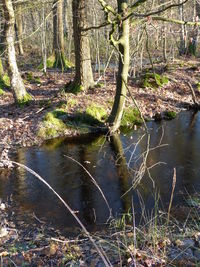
(183, 37)
(58, 35)
(122, 77)
(16, 81)
(83, 68)
(19, 26)
(193, 42)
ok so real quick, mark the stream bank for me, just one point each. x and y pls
(155, 244)
(20, 126)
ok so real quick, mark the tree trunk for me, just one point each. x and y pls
(183, 37)
(16, 81)
(122, 77)
(58, 34)
(19, 28)
(193, 42)
(83, 68)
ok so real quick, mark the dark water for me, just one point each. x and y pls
(106, 161)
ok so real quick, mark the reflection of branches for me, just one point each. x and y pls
(93, 180)
(139, 174)
(99, 250)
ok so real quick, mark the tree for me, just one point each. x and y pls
(19, 27)
(58, 35)
(123, 68)
(119, 22)
(83, 69)
(193, 42)
(17, 85)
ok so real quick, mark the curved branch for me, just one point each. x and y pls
(131, 14)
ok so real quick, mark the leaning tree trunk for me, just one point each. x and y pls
(16, 81)
(122, 77)
(83, 68)
(58, 43)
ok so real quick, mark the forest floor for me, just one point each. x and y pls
(28, 241)
(19, 126)
(22, 244)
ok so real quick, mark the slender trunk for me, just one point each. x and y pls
(66, 25)
(16, 81)
(182, 48)
(193, 42)
(83, 68)
(58, 33)
(122, 77)
(19, 26)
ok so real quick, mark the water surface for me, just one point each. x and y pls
(107, 160)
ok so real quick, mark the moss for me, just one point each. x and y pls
(37, 80)
(131, 117)
(154, 80)
(30, 76)
(51, 63)
(97, 112)
(1, 68)
(74, 88)
(99, 85)
(53, 124)
(83, 123)
(170, 115)
(25, 100)
(4, 81)
(71, 102)
(1, 92)
(198, 86)
(83, 119)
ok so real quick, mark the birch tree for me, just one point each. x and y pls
(20, 94)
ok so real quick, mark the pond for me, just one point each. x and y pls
(114, 166)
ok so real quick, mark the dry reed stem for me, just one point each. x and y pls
(172, 195)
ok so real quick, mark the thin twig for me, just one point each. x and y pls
(100, 252)
(94, 182)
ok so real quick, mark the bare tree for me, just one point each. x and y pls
(17, 85)
(83, 69)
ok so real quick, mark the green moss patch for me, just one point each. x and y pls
(72, 102)
(198, 86)
(99, 85)
(84, 122)
(53, 124)
(1, 92)
(82, 119)
(170, 115)
(131, 117)
(30, 78)
(73, 88)
(4, 81)
(57, 121)
(25, 100)
(51, 63)
(154, 80)
(97, 112)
